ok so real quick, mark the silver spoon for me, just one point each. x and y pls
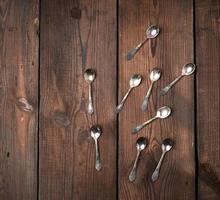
(140, 145)
(95, 132)
(162, 113)
(167, 145)
(134, 82)
(89, 76)
(151, 33)
(154, 76)
(187, 70)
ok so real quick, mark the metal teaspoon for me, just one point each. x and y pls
(134, 82)
(140, 145)
(187, 70)
(166, 146)
(154, 76)
(151, 33)
(95, 132)
(162, 113)
(89, 76)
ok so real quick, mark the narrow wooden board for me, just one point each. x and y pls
(170, 51)
(18, 99)
(76, 35)
(208, 84)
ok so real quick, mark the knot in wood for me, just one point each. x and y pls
(75, 13)
(61, 118)
(24, 105)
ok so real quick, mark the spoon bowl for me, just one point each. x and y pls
(188, 69)
(95, 131)
(167, 144)
(155, 74)
(141, 143)
(89, 75)
(152, 31)
(163, 112)
(135, 80)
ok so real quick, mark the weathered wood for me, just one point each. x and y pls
(76, 35)
(18, 99)
(170, 51)
(80, 34)
(208, 110)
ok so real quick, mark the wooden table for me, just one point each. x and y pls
(45, 149)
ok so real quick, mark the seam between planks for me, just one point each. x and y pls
(38, 114)
(117, 95)
(195, 103)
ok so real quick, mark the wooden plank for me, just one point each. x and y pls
(76, 35)
(170, 51)
(18, 99)
(208, 82)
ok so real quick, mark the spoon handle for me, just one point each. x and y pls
(145, 102)
(168, 87)
(156, 173)
(139, 127)
(120, 106)
(90, 104)
(132, 52)
(98, 164)
(132, 175)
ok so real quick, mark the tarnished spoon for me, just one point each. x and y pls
(89, 76)
(151, 33)
(162, 113)
(134, 82)
(95, 132)
(187, 70)
(140, 145)
(154, 76)
(166, 146)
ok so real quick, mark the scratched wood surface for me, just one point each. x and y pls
(208, 84)
(18, 99)
(76, 35)
(170, 51)
(53, 158)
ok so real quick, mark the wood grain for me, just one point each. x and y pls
(18, 99)
(170, 51)
(208, 110)
(76, 35)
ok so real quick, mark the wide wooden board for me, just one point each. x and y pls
(170, 51)
(207, 20)
(76, 35)
(19, 22)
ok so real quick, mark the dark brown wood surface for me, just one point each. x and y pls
(18, 99)
(46, 152)
(208, 84)
(170, 51)
(74, 36)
